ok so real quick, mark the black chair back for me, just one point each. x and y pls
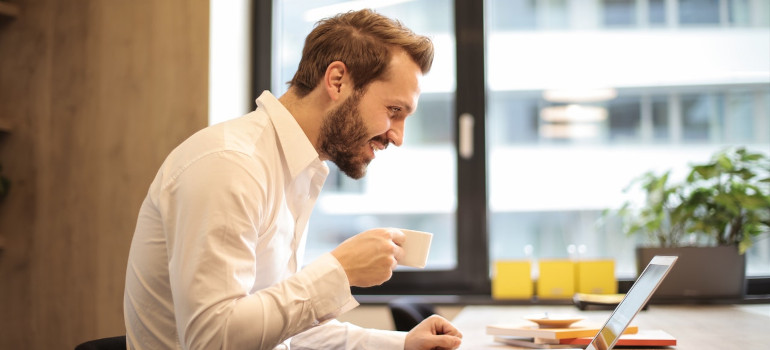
(111, 343)
(408, 313)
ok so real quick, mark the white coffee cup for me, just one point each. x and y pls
(416, 248)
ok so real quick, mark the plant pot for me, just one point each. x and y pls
(700, 273)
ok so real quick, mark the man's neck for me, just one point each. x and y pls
(307, 111)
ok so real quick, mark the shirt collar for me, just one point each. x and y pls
(297, 149)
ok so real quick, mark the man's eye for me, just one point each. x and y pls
(395, 110)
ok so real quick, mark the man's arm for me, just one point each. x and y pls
(435, 332)
(338, 335)
(212, 214)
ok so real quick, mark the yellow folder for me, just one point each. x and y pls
(511, 279)
(596, 277)
(556, 279)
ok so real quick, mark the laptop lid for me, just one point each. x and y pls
(635, 299)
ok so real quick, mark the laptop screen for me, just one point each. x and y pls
(637, 296)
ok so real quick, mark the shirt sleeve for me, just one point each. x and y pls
(211, 213)
(336, 335)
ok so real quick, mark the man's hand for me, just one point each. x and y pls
(434, 332)
(370, 257)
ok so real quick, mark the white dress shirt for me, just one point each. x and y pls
(214, 259)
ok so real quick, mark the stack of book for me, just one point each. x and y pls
(532, 336)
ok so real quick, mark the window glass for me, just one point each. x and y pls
(521, 123)
(552, 14)
(619, 13)
(738, 12)
(413, 186)
(660, 120)
(700, 118)
(528, 14)
(574, 116)
(513, 14)
(624, 118)
(738, 117)
(657, 11)
(699, 11)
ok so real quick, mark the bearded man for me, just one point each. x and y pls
(215, 258)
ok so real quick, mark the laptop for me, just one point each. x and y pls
(635, 299)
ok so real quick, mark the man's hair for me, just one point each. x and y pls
(364, 41)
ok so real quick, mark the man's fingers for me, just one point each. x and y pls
(448, 329)
(446, 341)
(398, 253)
(398, 237)
(442, 326)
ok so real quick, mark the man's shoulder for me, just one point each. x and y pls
(248, 140)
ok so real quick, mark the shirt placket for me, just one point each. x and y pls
(306, 189)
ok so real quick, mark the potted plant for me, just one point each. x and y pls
(709, 220)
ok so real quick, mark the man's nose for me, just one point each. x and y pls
(396, 133)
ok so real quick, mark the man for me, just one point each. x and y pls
(214, 262)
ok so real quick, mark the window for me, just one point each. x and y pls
(699, 12)
(426, 164)
(619, 13)
(576, 115)
(654, 84)
(657, 12)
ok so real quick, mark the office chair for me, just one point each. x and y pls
(407, 313)
(111, 343)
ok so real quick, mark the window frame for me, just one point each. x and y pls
(471, 276)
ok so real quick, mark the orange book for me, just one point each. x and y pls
(549, 333)
(646, 337)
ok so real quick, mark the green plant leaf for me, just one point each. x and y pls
(745, 174)
(754, 202)
(744, 244)
(724, 162)
(752, 157)
(728, 202)
(707, 171)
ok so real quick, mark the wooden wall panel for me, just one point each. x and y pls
(24, 97)
(100, 92)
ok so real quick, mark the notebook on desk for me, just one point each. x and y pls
(634, 300)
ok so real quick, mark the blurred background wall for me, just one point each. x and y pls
(94, 95)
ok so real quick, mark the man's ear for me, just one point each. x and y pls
(335, 79)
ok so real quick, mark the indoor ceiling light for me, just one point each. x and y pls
(579, 95)
(569, 131)
(573, 114)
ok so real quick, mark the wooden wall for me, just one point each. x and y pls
(98, 93)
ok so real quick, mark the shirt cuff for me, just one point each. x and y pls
(380, 339)
(330, 283)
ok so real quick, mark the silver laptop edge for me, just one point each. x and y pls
(635, 299)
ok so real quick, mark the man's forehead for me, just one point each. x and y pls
(402, 80)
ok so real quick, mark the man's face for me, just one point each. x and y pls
(342, 128)
(369, 120)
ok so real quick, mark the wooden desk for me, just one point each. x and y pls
(696, 327)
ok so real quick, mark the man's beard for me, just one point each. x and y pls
(343, 137)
